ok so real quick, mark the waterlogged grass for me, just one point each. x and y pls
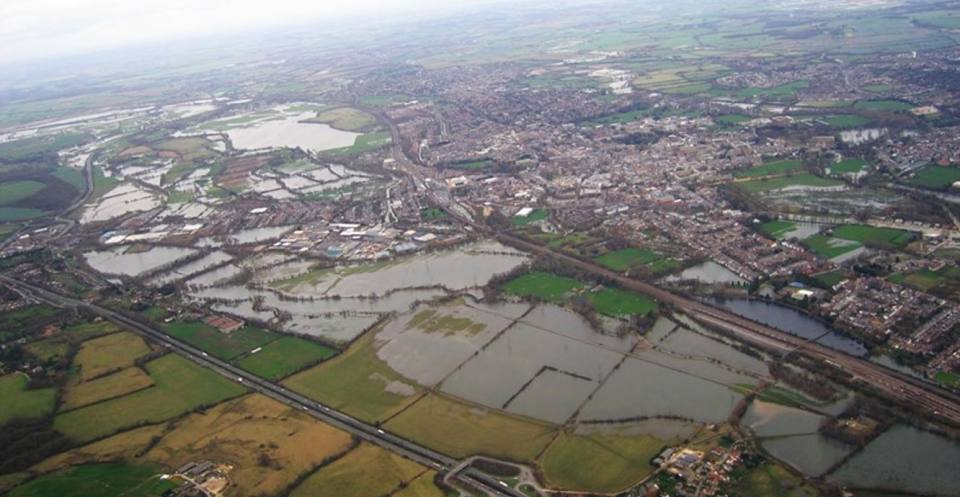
(771, 168)
(547, 286)
(460, 430)
(829, 247)
(799, 180)
(602, 463)
(935, 177)
(285, 356)
(179, 387)
(20, 403)
(345, 118)
(98, 480)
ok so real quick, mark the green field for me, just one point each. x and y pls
(883, 105)
(14, 191)
(828, 279)
(786, 90)
(935, 177)
(345, 118)
(615, 302)
(364, 143)
(629, 258)
(771, 168)
(771, 184)
(285, 356)
(536, 215)
(179, 387)
(599, 462)
(777, 229)
(20, 403)
(98, 480)
(28, 148)
(846, 121)
(848, 166)
(949, 379)
(48, 349)
(546, 286)
(731, 119)
(924, 280)
(769, 479)
(366, 471)
(477, 165)
(830, 247)
(356, 382)
(223, 345)
(18, 213)
(870, 235)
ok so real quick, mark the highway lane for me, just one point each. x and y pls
(345, 422)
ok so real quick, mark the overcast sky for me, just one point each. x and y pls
(31, 29)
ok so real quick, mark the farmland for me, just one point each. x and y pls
(630, 258)
(345, 118)
(356, 382)
(842, 121)
(830, 247)
(870, 235)
(113, 385)
(599, 462)
(777, 229)
(804, 180)
(285, 356)
(366, 471)
(223, 345)
(109, 353)
(546, 286)
(21, 403)
(935, 177)
(848, 166)
(533, 217)
(179, 387)
(460, 430)
(883, 105)
(615, 302)
(98, 480)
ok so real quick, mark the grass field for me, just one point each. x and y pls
(48, 349)
(366, 471)
(14, 191)
(179, 387)
(883, 105)
(285, 356)
(615, 302)
(771, 168)
(777, 229)
(803, 179)
(364, 143)
(422, 486)
(769, 479)
(870, 235)
(830, 247)
(846, 121)
(93, 329)
(606, 463)
(731, 119)
(629, 258)
(242, 431)
(535, 216)
(345, 118)
(924, 280)
(27, 148)
(18, 213)
(785, 90)
(356, 382)
(98, 480)
(226, 346)
(106, 387)
(935, 177)
(459, 430)
(109, 353)
(949, 379)
(547, 286)
(20, 403)
(828, 279)
(848, 166)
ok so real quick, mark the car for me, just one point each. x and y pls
(204, 354)
(381, 432)
(240, 379)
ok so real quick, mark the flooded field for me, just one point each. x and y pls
(791, 435)
(206, 262)
(792, 322)
(708, 272)
(465, 267)
(905, 459)
(282, 126)
(123, 261)
(124, 199)
(686, 343)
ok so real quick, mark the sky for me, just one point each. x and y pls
(36, 29)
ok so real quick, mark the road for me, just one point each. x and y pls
(349, 424)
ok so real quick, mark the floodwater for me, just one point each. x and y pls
(686, 343)
(425, 355)
(212, 259)
(335, 328)
(123, 199)
(217, 276)
(792, 435)
(117, 261)
(639, 388)
(905, 459)
(792, 322)
(469, 266)
(540, 399)
(708, 272)
(290, 131)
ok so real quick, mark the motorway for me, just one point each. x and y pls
(349, 424)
